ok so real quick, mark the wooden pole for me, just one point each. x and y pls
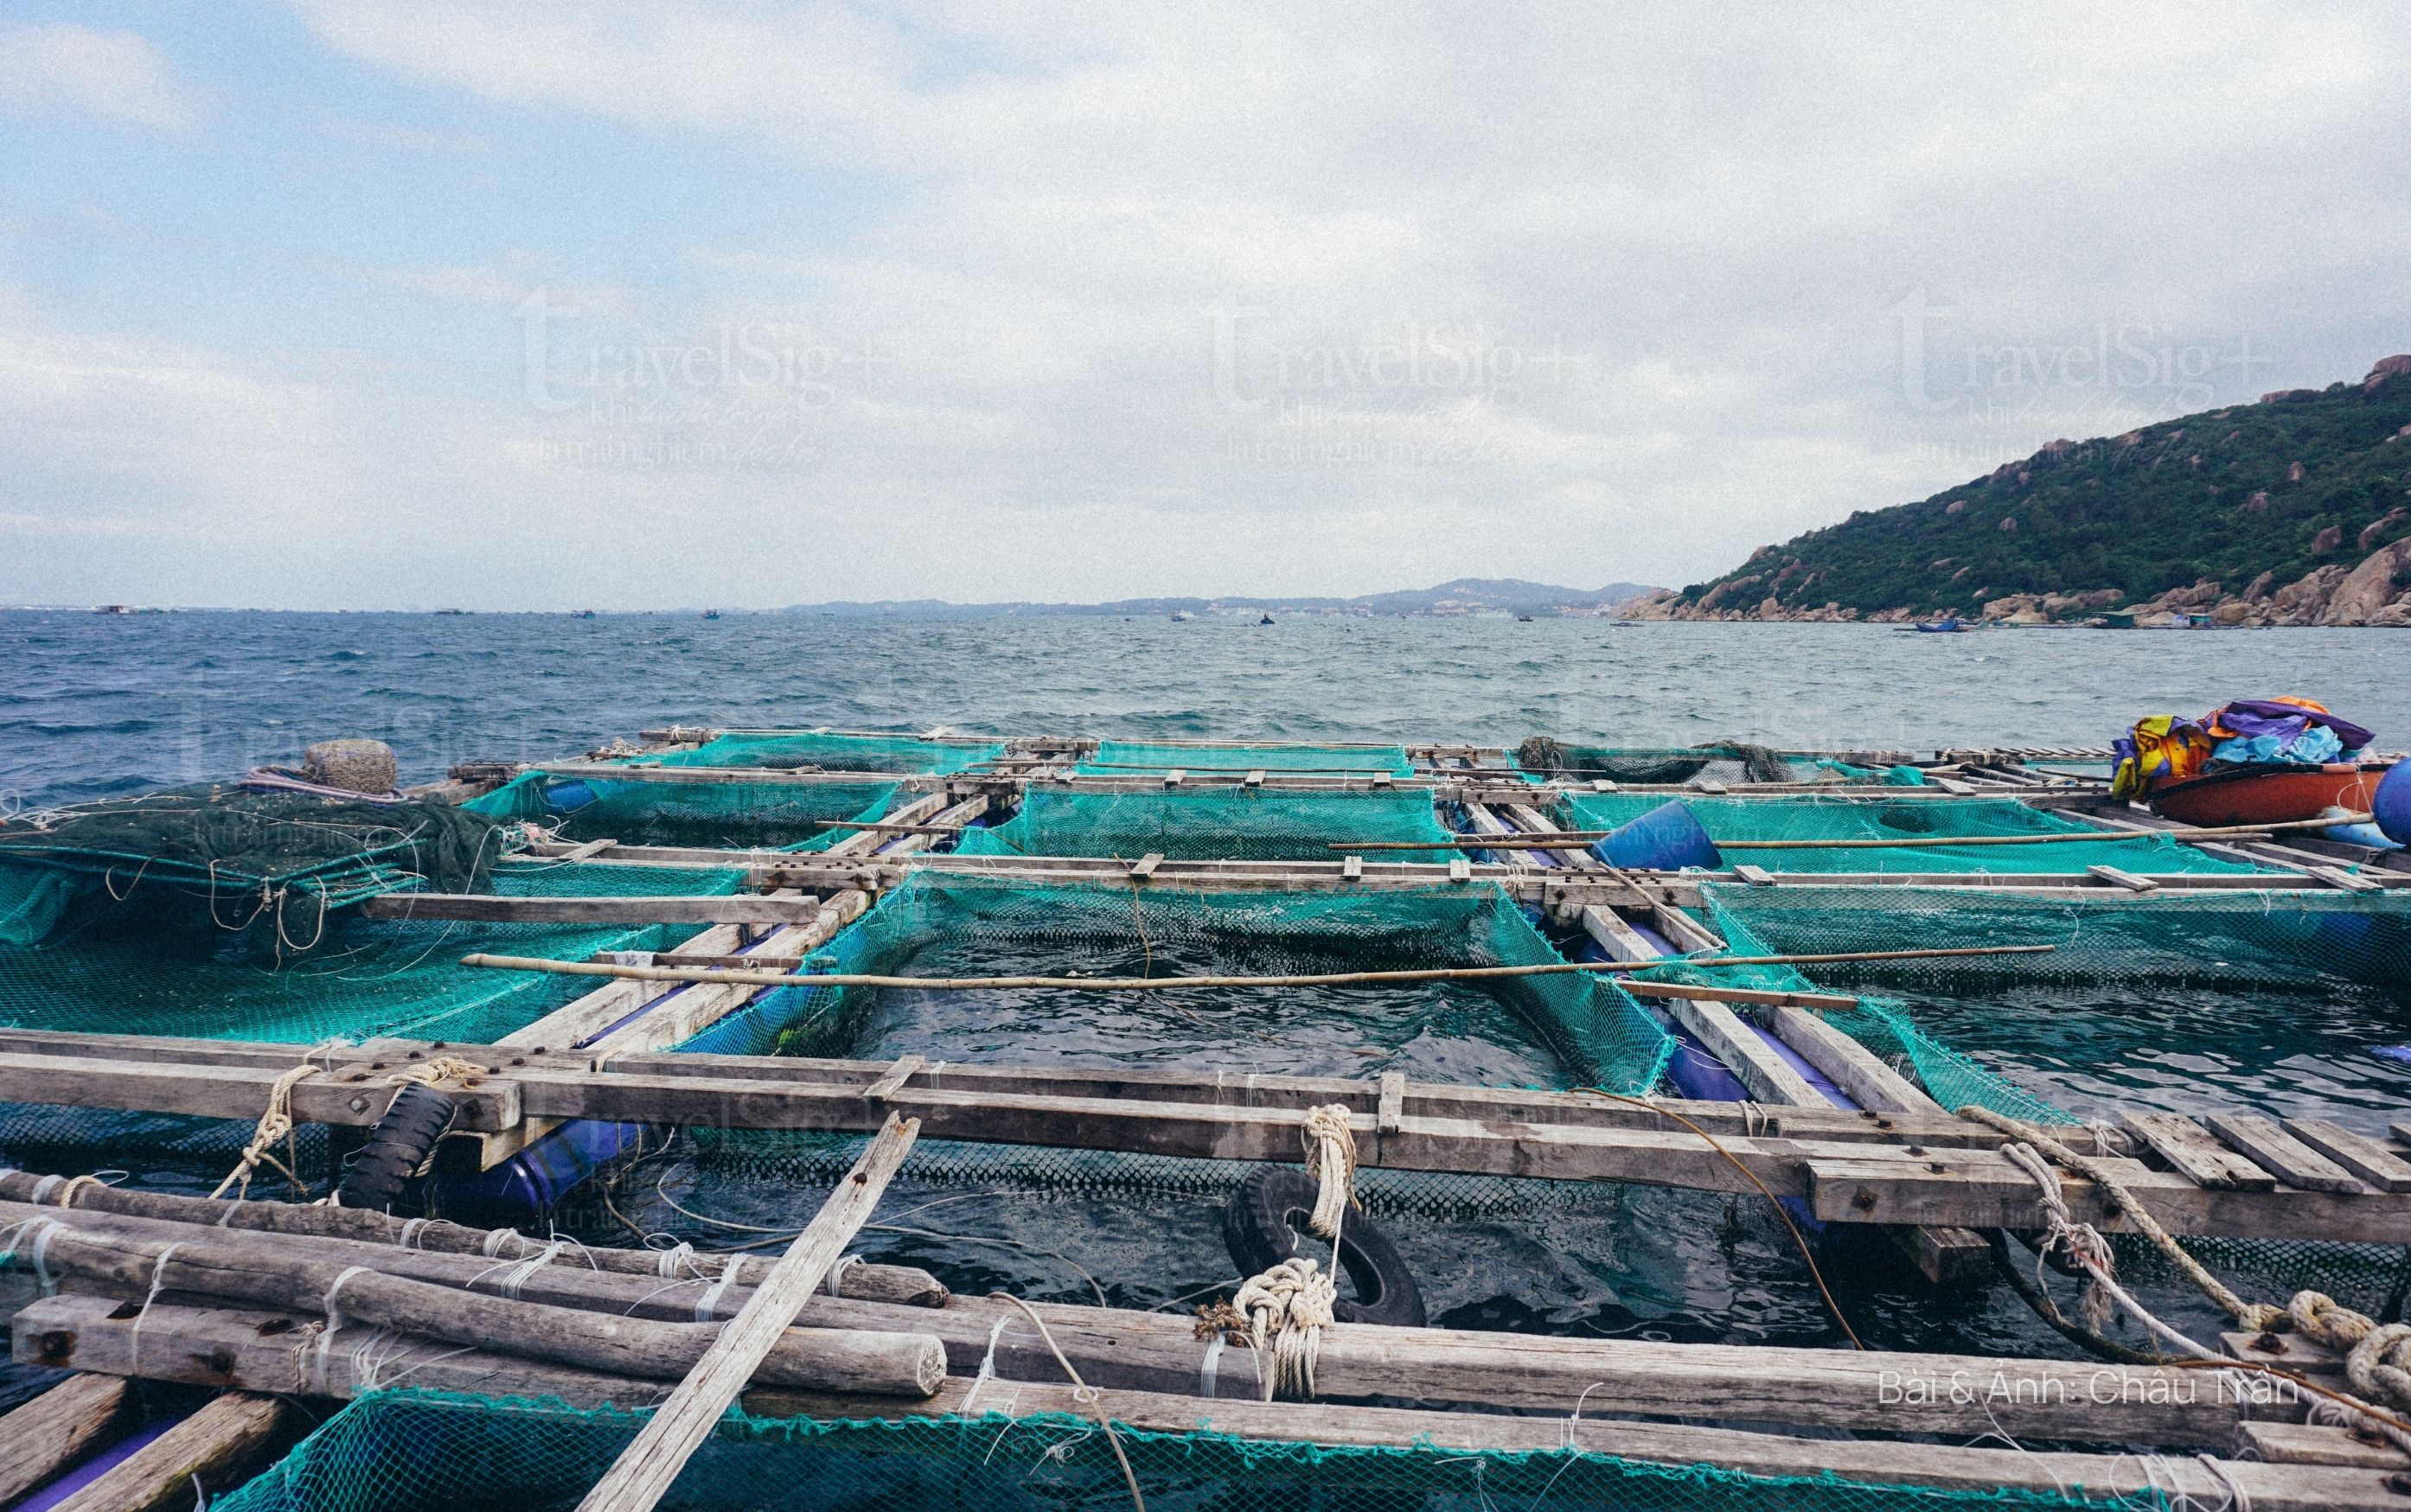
(45, 1435)
(1331, 978)
(209, 1449)
(639, 1479)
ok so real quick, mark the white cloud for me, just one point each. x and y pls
(73, 71)
(1594, 294)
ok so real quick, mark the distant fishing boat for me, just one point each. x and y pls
(2266, 794)
(1181, 617)
(1265, 621)
(711, 614)
(1947, 625)
(1522, 620)
(583, 614)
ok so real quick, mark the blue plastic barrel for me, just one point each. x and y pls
(1666, 838)
(567, 797)
(2392, 805)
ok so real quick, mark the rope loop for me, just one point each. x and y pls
(275, 1127)
(1331, 1160)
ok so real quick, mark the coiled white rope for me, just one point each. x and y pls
(1287, 1309)
(1331, 1160)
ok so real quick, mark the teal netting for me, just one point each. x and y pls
(939, 925)
(1140, 756)
(901, 755)
(344, 976)
(774, 817)
(226, 848)
(1810, 818)
(417, 1451)
(1224, 823)
(2243, 937)
(1882, 1025)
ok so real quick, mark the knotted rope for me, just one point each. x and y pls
(275, 1128)
(2379, 1363)
(1331, 1160)
(1288, 1307)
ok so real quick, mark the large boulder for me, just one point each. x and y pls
(2368, 587)
(2302, 600)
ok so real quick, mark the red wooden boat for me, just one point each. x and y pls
(2274, 795)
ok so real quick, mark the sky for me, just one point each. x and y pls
(421, 303)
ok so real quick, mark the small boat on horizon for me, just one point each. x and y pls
(1181, 617)
(1265, 621)
(1947, 625)
(711, 614)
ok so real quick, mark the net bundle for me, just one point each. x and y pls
(1724, 760)
(233, 852)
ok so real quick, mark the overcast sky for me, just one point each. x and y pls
(566, 304)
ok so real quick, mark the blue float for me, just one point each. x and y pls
(2391, 806)
(1666, 838)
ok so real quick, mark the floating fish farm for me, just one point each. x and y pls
(809, 1118)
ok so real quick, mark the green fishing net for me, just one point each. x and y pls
(1124, 756)
(764, 816)
(1932, 822)
(1220, 824)
(901, 755)
(417, 1451)
(225, 847)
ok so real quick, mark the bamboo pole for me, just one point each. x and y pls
(1330, 979)
(1558, 839)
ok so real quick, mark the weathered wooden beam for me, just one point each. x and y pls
(214, 1448)
(43, 1437)
(642, 1475)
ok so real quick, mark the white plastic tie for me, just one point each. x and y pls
(43, 1188)
(675, 1260)
(1210, 1366)
(133, 1335)
(411, 1229)
(987, 1366)
(334, 1325)
(843, 1263)
(711, 1298)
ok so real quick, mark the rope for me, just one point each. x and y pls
(2378, 1365)
(67, 1193)
(1082, 1392)
(1331, 1160)
(275, 1126)
(334, 1325)
(837, 1271)
(1287, 1309)
(133, 1335)
(710, 1298)
(436, 1069)
(2257, 1318)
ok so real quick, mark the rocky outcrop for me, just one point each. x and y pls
(2367, 589)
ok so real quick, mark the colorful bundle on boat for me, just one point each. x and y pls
(2250, 761)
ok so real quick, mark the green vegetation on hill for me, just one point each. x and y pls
(2300, 480)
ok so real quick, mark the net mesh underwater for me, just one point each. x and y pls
(404, 1449)
(1807, 819)
(1222, 823)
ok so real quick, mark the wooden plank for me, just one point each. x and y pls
(738, 776)
(590, 848)
(641, 1476)
(43, 1437)
(1768, 1076)
(927, 807)
(1943, 1255)
(1618, 940)
(1144, 868)
(1174, 778)
(1851, 1066)
(353, 1099)
(2280, 1153)
(1754, 876)
(2123, 879)
(2338, 877)
(1460, 870)
(1685, 933)
(2366, 1158)
(687, 909)
(214, 1448)
(1391, 1106)
(1255, 778)
(2280, 1442)
(1352, 868)
(674, 1020)
(893, 1078)
(2192, 1154)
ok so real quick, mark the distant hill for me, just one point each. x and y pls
(1465, 595)
(2287, 511)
